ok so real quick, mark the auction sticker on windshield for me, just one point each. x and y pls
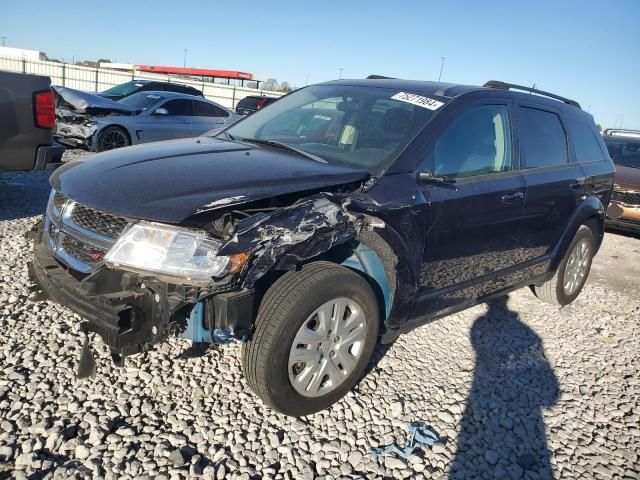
(419, 100)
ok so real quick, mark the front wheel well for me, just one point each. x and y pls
(355, 256)
(105, 128)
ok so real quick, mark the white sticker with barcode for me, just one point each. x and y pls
(419, 100)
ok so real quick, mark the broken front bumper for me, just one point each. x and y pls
(131, 313)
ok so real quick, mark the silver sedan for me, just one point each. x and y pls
(99, 125)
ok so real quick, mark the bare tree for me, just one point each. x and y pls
(285, 87)
(270, 84)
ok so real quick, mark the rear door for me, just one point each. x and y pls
(554, 184)
(472, 228)
(175, 124)
(207, 116)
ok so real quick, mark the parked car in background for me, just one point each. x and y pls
(136, 86)
(253, 103)
(624, 148)
(99, 124)
(428, 199)
(27, 120)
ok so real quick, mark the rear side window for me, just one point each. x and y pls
(203, 109)
(178, 107)
(584, 141)
(545, 142)
(478, 142)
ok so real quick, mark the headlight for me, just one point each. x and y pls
(189, 255)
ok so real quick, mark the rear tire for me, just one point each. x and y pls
(286, 364)
(572, 273)
(111, 138)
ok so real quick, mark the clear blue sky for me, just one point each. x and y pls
(585, 49)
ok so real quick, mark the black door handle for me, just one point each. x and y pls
(513, 197)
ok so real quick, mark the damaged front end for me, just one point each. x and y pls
(77, 113)
(112, 271)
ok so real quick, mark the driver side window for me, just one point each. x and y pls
(478, 142)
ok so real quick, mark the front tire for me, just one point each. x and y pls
(315, 333)
(111, 138)
(568, 281)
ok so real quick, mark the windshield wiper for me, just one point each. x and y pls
(276, 143)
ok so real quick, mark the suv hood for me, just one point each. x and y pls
(170, 181)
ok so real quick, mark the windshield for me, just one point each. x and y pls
(623, 153)
(364, 127)
(141, 101)
(124, 89)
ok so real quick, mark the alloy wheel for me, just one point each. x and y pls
(577, 267)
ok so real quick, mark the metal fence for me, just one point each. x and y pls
(97, 79)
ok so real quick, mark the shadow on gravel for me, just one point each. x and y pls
(23, 194)
(502, 433)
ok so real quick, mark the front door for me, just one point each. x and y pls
(473, 224)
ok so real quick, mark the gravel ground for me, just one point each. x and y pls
(515, 389)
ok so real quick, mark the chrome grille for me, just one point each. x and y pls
(96, 221)
(628, 198)
(59, 200)
(82, 251)
(78, 235)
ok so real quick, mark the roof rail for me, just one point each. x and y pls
(380, 77)
(508, 86)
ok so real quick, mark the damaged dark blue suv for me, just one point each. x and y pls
(344, 214)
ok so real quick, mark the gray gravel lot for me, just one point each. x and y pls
(515, 389)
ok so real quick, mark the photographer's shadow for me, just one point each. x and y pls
(502, 433)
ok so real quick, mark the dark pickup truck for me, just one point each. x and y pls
(27, 120)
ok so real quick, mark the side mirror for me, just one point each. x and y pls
(426, 177)
(161, 111)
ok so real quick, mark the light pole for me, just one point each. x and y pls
(3, 39)
(184, 59)
(341, 72)
(441, 67)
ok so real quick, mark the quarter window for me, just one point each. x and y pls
(478, 142)
(178, 107)
(545, 142)
(585, 142)
(203, 109)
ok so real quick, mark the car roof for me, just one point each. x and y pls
(164, 94)
(147, 82)
(452, 90)
(171, 95)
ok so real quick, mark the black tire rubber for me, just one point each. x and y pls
(105, 132)
(285, 306)
(552, 291)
